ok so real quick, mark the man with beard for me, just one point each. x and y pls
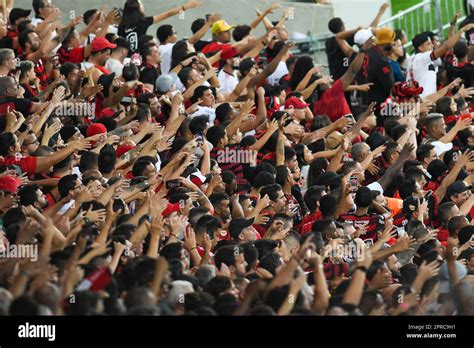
(233, 257)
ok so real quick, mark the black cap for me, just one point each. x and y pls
(410, 205)
(237, 225)
(456, 187)
(419, 40)
(18, 13)
(106, 82)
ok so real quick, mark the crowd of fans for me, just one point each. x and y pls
(164, 175)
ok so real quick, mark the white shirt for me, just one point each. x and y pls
(165, 53)
(205, 111)
(227, 81)
(279, 72)
(114, 66)
(422, 69)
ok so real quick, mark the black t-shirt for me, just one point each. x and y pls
(134, 33)
(198, 46)
(149, 75)
(6, 42)
(338, 62)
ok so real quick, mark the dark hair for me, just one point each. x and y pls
(465, 234)
(227, 255)
(67, 68)
(271, 262)
(423, 151)
(23, 38)
(7, 140)
(223, 112)
(312, 196)
(302, 66)
(24, 25)
(240, 32)
(163, 32)
(131, 14)
(179, 52)
(328, 205)
(107, 159)
(89, 160)
(197, 24)
(185, 75)
(217, 198)
(130, 72)
(443, 106)
(265, 246)
(335, 25)
(28, 194)
(407, 188)
(444, 211)
(218, 285)
(66, 184)
(215, 134)
(271, 191)
(250, 255)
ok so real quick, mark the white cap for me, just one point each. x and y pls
(441, 147)
(362, 36)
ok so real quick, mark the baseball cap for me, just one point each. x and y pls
(96, 128)
(385, 36)
(16, 13)
(441, 147)
(334, 139)
(237, 225)
(164, 83)
(419, 40)
(457, 187)
(121, 149)
(101, 43)
(171, 208)
(296, 103)
(9, 183)
(107, 112)
(221, 26)
(410, 205)
(362, 36)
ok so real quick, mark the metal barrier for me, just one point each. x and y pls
(428, 15)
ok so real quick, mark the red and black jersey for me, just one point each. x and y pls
(22, 105)
(72, 55)
(27, 164)
(372, 223)
(400, 221)
(228, 159)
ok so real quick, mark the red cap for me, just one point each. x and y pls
(229, 53)
(121, 149)
(107, 112)
(96, 128)
(9, 183)
(171, 208)
(101, 43)
(296, 103)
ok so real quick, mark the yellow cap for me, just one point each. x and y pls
(221, 26)
(334, 139)
(384, 36)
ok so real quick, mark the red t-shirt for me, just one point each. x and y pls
(332, 103)
(72, 55)
(27, 164)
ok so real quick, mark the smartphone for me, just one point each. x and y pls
(353, 183)
(200, 138)
(172, 184)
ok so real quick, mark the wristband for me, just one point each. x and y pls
(361, 50)
(361, 268)
(193, 248)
